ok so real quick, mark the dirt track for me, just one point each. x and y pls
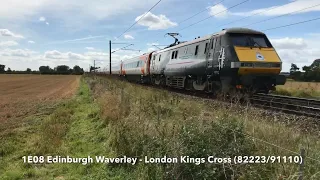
(19, 94)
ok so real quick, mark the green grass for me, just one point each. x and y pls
(151, 122)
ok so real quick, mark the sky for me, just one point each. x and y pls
(76, 32)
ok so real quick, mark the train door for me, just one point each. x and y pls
(217, 55)
(153, 63)
(210, 55)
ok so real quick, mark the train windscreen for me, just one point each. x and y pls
(250, 40)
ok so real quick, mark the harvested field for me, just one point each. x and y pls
(21, 94)
(300, 89)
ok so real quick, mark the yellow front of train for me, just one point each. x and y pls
(258, 64)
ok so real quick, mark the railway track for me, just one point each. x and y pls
(287, 104)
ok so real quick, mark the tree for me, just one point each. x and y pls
(77, 70)
(294, 68)
(63, 69)
(312, 72)
(45, 70)
(9, 70)
(28, 70)
(2, 68)
(93, 68)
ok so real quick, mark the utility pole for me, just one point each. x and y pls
(110, 56)
(124, 48)
(94, 66)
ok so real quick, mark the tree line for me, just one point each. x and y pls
(311, 73)
(61, 69)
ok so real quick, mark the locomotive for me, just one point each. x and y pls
(232, 59)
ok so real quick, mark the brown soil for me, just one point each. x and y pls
(20, 95)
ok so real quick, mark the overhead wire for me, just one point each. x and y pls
(200, 12)
(282, 15)
(269, 9)
(213, 15)
(194, 15)
(301, 22)
(139, 19)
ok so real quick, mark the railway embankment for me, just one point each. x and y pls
(148, 122)
(110, 119)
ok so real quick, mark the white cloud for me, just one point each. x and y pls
(154, 22)
(301, 51)
(151, 49)
(292, 6)
(75, 56)
(89, 48)
(31, 42)
(6, 32)
(93, 54)
(289, 43)
(75, 40)
(218, 11)
(66, 10)
(127, 36)
(53, 54)
(8, 43)
(47, 23)
(57, 55)
(24, 58)
(42, 19)
(17, 52)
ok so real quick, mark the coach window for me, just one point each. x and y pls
(159, 57)
(205, 49)
(172, 55)
(138, 64)
(213, 43)
(176, 55)
(196, 53)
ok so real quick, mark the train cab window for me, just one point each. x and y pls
(196, 52)
(176, 55)
(250, 40)
(205, 48)
(172, 55)
(159, 57)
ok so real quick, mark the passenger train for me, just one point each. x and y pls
(235, 58)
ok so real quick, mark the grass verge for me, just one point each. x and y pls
(114, 118)
(146, 122)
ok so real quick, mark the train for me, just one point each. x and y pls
(232, 59)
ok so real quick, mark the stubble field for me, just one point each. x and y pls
(21, 95)
(300, 89)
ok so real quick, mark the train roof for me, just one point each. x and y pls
(241, 30)
(220, 33)
(136, 57)
(185, 43)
